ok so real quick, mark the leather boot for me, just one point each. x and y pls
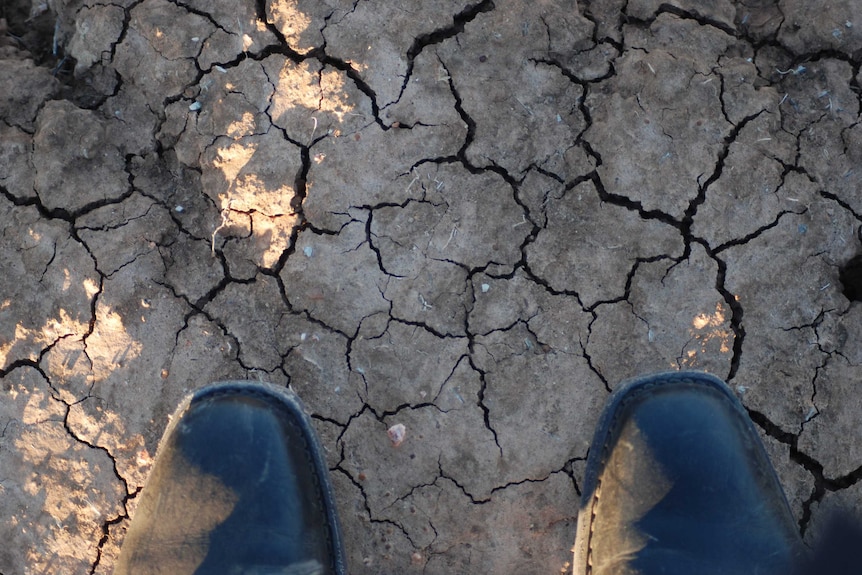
(239, 486)
(678, 482)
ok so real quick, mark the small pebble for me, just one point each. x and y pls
(179, 209)
(308, 250)
(485, 288)
(396, 434)
(195, 106)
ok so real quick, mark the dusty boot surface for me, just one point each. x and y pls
(239, 486)
(678, 482)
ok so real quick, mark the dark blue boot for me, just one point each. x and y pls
(239, 486)
(677, 482)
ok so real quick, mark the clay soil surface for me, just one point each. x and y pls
(473, 219)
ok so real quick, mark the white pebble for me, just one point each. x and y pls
(179, 209)
(396, 434)
(308, 250)
(195, 106)
(485, 288)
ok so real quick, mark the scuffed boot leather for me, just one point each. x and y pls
(239, 486)
(678, 482)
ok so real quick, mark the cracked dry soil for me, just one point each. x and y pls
(472, 219)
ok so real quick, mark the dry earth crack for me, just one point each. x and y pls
(470, 219)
